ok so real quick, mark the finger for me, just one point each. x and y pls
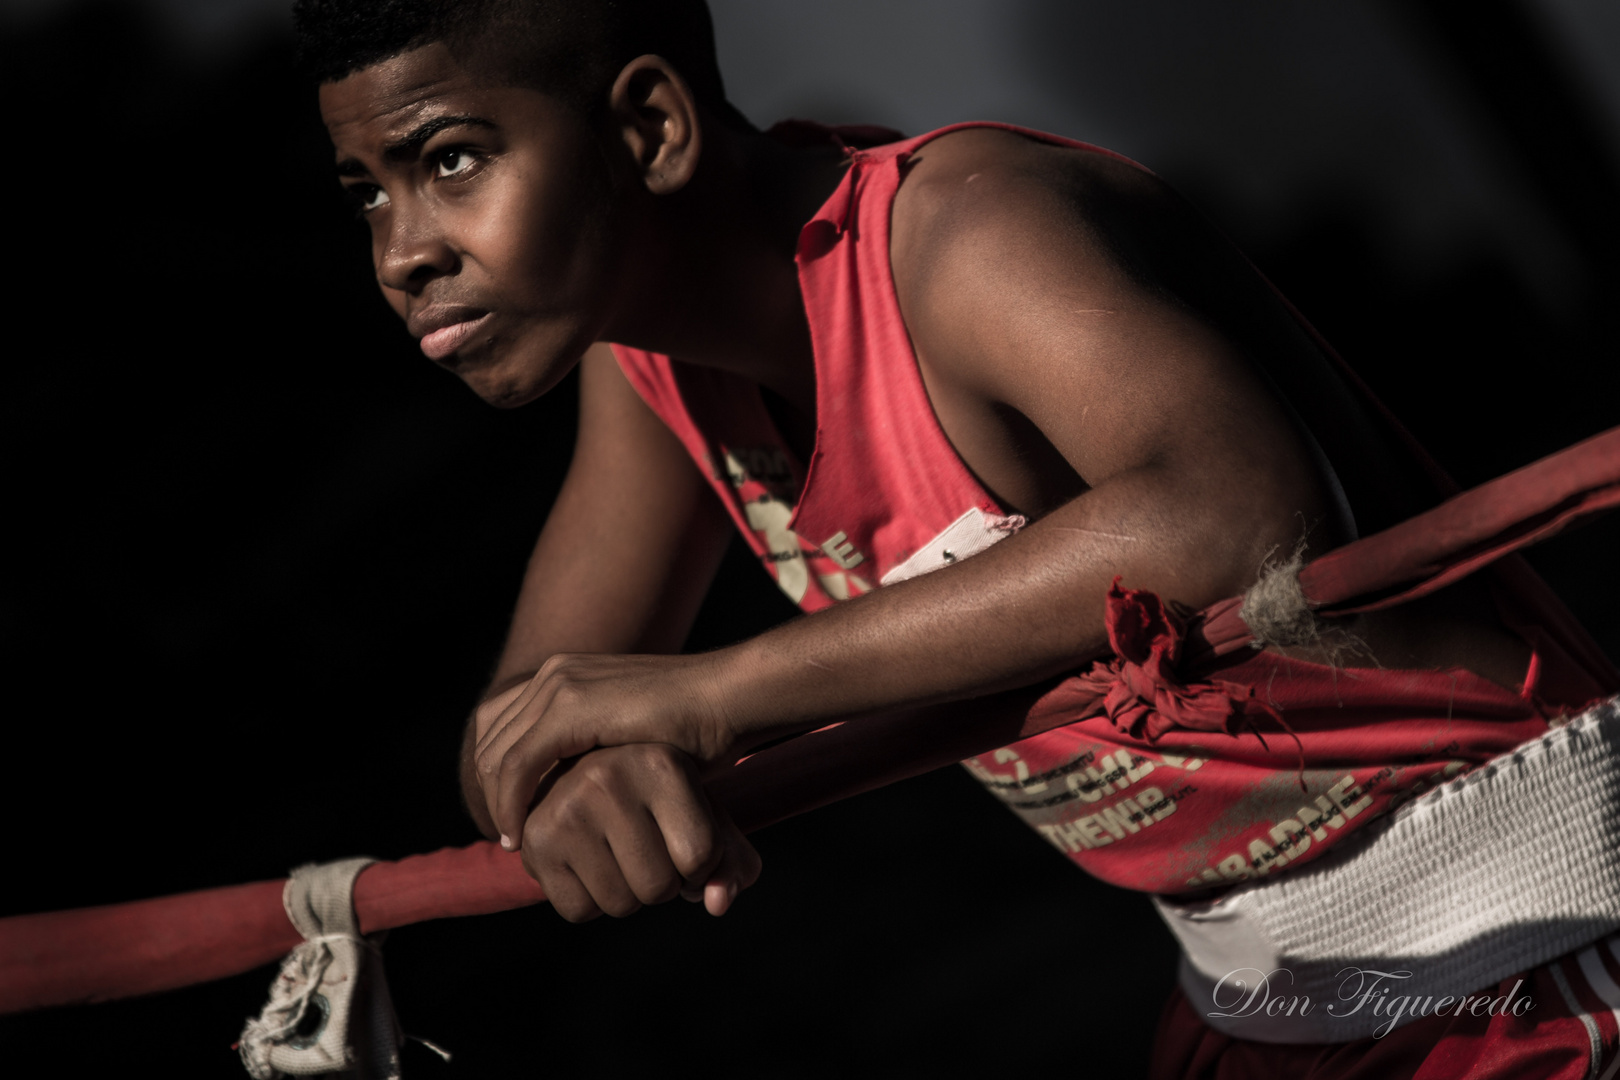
(516, 758)
(617, 789)
(642, 854)
(597, 824)
(717, 897)
(599, 871)
(554, 839)
(739, 868)
(568, 895)
(557, 677)
(523, 768)
(492, 709)
(491, 747)
(576, 847)
(508, 773)
(511, 703)
(515, 708)
(685, 817)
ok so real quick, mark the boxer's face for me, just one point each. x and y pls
(491, 216)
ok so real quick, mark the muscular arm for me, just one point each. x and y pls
(625, 557)
(1043, 336)
(1082, 392)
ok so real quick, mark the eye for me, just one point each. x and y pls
(367, 197)
(453, 162)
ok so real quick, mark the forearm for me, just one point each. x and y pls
(1028, 608)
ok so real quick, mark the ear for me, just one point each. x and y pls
(658, 119)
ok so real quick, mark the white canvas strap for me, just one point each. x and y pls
(1496, 872)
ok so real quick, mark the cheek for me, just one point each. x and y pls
(553, 242)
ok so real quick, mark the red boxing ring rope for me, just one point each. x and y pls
(141, 947)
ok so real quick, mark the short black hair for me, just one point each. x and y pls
(573, 49)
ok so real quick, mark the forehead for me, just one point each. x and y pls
(383, 118)
(395, 94)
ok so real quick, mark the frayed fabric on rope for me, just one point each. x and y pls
(329, 1008)
(1142, 688)
(1275, 607)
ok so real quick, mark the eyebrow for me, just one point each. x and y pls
(411, 145)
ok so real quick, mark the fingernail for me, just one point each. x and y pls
(506, 842)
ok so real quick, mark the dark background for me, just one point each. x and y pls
(261, 553)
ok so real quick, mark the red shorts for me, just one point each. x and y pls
(1570, 1032)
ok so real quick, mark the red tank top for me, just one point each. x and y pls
(1123, 791)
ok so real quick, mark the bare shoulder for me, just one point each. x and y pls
(1030, 274)
(1046, 290)
(990, 186)
(939, 173)
(996, 234)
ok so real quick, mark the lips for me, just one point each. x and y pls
(444, 332)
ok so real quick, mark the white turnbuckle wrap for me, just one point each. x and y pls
(329, 1008)
(1490, 874)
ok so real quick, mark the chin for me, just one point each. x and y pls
(501, 393)
(508, 386)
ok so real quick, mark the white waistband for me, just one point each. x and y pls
(1498, 871)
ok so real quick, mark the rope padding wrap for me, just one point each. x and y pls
(329, 1008)
(1492, 873)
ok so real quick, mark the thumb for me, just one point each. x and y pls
(739, 868)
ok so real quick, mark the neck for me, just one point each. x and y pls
(715, 283)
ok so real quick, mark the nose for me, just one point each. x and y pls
(412, 253)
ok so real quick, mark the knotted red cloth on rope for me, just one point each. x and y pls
(1151, 685)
